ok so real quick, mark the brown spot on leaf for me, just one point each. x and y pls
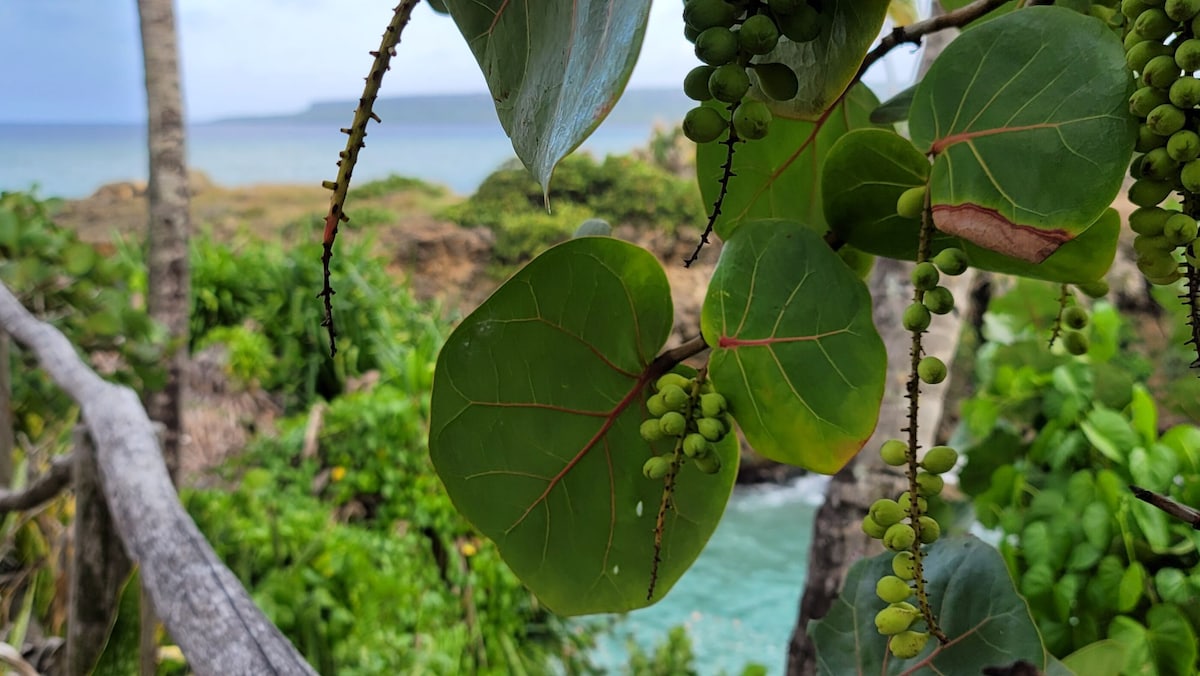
(988, 229)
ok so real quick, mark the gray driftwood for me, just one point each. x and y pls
(201, 603)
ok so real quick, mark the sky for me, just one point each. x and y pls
(78, 61)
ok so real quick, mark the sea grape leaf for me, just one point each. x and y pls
(1102, 658)
(864, 174)
(972, 596)
(794, 347)
(894, 109)
(1027, 119)
(537, 402)
(780, 177)
(555, 69)
(827, 65)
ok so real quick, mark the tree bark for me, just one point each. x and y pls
(201, 602)
(99, 567)
(169, 281)
(7, 437)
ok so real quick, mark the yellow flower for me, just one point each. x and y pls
(337, 473)
(468, 549)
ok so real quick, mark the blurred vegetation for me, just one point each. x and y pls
(622, 190)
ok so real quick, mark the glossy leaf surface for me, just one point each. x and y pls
(780, 176)
(867, 170)
(972, 596)
(537, 402)
(555, 69)
(795, 351)
(827, 64)
(1027, 118)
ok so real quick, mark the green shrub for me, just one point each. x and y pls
(250, 359)
(370, 217)
(394, 183)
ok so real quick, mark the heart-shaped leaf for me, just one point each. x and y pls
(827, 65)
(780, 176)
(795, 351)
(555, 69)
(1028, 121)
(865, 173)
(972, 596)
(537, 402)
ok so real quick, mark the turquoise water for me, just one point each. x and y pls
(740, 600)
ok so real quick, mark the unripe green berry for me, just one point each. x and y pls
(695, 84)
(1132, 8)
(911, 202)
(908, 644)
(1140, 54)
(1160, 72)
(1187, 55)
(872, 529)
(1180, 230)
(682, 382)
(1166, 119)
(695, 445)
(712, 404)
(939, 459)
(752, 119)
(904, 565)
(1096, 289)
(939, 300)
(703, 125)
(674, 397)
(656, 406)
(1158, 165)
(1154, 24)
(656, 467)
(899, 536)
(1181, 10)
(777, 80)
(1148, 192)
(894, 452)
(916, 317)
(758, 34)
(651, 430)
(1144, 100)
(886, 512)
(1148, 140)
(801, 25)
(892, 589)
(929, 484)
(931, 530)
(1131, 39)
(1148, 220)
(1075, 342)
(711, 428)
(1189, 175)
(896, 618)
(718, 46)
(1184, 145)
(951, 261)
(925, 276)
(729, 83)
(1148, 246)
(1075, 317)
(704, 14)
(1184, 93)
(709, 464)
(673, 423)
(931, 370)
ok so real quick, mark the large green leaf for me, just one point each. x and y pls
(1028, 121)
(864, 174)
(537, 402)
(795, 351)
(972, 596)
(780, 176)
(827, 65)
(555, 69)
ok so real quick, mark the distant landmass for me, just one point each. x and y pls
(636, 107)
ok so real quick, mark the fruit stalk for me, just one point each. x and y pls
(727, 175)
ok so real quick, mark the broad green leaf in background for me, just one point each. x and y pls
(894, 109)
(827, 65)
(1102, 658)
(794, 348)
(903, 12)
(555, 69)
(1172, 639)
(780, 177)
(1027, 118)
(537, 401)
(972, 596)
(864, 174)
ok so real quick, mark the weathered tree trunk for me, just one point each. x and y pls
(169, 281)
(204, 607)
(99, 566)
(7, 438)
(169, 278)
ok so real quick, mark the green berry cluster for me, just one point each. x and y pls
(903, 527)
(1162, 48)
(935, 299)
(691, 413)
(1073, 322)
(732, 39)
